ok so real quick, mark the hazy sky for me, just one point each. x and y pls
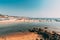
(31, 8)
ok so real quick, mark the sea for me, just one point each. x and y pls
(25, 26)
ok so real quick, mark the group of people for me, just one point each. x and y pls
(45, 34)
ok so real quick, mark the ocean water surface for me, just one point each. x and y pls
(18, 27)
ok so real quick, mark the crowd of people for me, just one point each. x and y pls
(45, 34)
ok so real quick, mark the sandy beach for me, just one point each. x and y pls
(21, 36)
(10, 21)
(16, 21)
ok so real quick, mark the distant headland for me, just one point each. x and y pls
(11, 19)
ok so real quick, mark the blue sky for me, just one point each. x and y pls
(31, 8)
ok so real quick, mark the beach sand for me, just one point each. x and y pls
(21, 36)
(10, 21)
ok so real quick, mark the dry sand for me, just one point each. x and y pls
(10, 21)
(16, 21)
(21, 36)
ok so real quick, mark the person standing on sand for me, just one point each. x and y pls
(46, 35)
